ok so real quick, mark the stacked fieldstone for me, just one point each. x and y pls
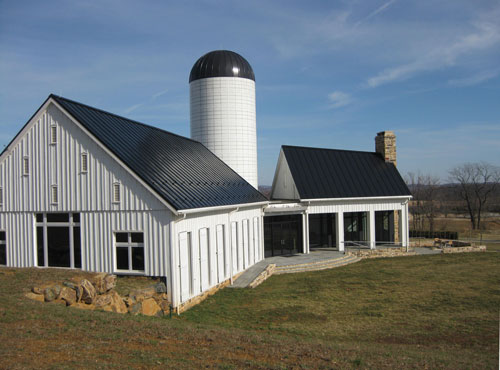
(381, 253)
(385, 144)
(97, 293)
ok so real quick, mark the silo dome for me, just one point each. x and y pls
(221, 63)
(222, 110)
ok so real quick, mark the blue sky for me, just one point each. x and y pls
(328, 74)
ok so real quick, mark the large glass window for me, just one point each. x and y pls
(129, 251)
(355, 228)
(3, 248)
(58, 240)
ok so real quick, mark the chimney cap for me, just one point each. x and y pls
(386, 133)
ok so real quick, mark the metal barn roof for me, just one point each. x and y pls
(183, 171)
(331, 173)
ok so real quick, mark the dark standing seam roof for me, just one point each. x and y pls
(330, 173)
(183, 171)
(221, 63)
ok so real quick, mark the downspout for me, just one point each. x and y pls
(230, 231)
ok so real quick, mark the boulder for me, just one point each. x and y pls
(165, 306)
(88, 292)
(136, 308)
(69, 284)
(140, 295)
(36, 297)
(56, 289)
(37, 290)
(160, 287)
(110, 282)
(116, 303)
(68, 295)
(151, 308)
(103, 282)
(49, 295)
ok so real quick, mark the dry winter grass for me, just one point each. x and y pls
(413, 312)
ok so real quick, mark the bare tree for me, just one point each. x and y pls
(424, 190)
(476, 184)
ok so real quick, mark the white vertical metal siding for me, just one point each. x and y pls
(87, 193)
(216, 233)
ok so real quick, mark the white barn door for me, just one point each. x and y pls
(234, 246)
(220, 252)
(195, 268)
(184, 266)
(204, 267)
(256, 238)
(245, 244)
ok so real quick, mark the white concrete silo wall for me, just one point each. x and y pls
(223, 119)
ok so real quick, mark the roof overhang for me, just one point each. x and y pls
(356, 199)
(220, 208)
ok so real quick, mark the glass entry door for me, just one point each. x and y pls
(282, 235)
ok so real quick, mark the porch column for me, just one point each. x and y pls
(371, 228)
(305, 231)
(339, 231)
(403, 226)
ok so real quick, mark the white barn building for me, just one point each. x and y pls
(84, 188)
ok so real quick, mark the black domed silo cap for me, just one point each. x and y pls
(221, 63)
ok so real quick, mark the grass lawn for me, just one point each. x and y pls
(437, 311)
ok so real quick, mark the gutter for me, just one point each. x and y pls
(216, 208)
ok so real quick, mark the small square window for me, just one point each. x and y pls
(116, 192)
(26, 166)
(129, 250)
(84, 162)
(54, 196)
(53, 134)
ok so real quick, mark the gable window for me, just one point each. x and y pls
(26, 166)
(116, 192)
(84, 163)
(129, 251)
(53, 134)
(54, 196)
(3, 248)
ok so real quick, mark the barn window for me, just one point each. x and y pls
(116, 192)
(3, 248)
(53, 134)
(54, 195)
(26, 166)
(129, 251)
(84, 163)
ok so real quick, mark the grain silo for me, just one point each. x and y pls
(222, 103)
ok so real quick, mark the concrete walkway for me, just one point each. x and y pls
(292, 262)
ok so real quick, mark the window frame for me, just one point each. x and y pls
(54, 199)
(129, 245)
(26, 165)
(84, 162)
(53, 134)
(115, 199)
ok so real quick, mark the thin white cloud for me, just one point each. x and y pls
(158, 94)
(474, 79)
(376, 11)
(486, 35)
(339, 99)
(133, 108)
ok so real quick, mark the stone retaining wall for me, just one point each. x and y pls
(263, 276)
(479, 248)
(381, 253)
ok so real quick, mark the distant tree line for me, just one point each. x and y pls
(472, 190)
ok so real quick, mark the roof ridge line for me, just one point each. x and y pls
(331, 149)
(122, 117)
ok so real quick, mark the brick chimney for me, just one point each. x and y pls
(385, 144)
